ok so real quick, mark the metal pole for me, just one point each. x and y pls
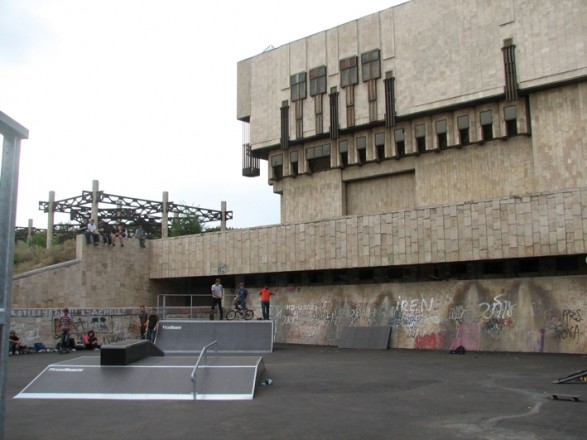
(12, 132)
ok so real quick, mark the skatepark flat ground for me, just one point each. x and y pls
(332, 393)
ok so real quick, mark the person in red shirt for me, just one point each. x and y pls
(265, 299)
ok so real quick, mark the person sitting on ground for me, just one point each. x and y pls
(15, 345)
(90, 341)
(240, 300)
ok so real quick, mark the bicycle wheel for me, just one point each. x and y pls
(248, 315)
(231, 315)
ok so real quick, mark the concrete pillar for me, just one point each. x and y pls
(165, 216)
(223, 216)
(95, 191)
(50, 218)
(30, 230)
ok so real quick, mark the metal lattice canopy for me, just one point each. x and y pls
(129, 211)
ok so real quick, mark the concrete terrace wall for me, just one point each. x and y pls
(547, 224)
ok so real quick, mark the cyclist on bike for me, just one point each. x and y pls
(240, 300)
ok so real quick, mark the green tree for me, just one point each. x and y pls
(185, 226)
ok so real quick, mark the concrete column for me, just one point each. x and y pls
(165, 216)
(95, 191)
(30, 230)
(223, 216)
(50, 219)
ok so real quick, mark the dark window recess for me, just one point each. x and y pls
(297, 85)
(400, 142)
(441, 134)
(343, 149)
(421, 138)
(486, 125)
(277, 166)
(318, 81)
(511, 120)
(318, 158)
(463, 126)
(370, 65)
(529, 265)
(349, 71)
(293, 160)
(380, 145)
(299, 110)
(361, 144)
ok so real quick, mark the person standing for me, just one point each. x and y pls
(217, 295)
(265, 294)
(143, 317)
(152, 325)
(140, 234)
(65, 323)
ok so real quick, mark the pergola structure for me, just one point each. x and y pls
(128, 211)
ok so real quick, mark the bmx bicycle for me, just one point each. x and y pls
(245, 314)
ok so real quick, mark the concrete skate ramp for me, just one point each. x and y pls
(154, 378)
(183, 336)
(365, 337)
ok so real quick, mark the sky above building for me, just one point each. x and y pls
(140, 95)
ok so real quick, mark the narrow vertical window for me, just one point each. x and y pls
(299, 113)
(350, 106)
(333, 113)
(420, 132)
(400, 142)
(277, 166)
(509, 63)
(441, 134)
(284, 125)
(343, 150)
(463, 127)
(389, 83)
(318, 81)
(380, 145)
(293, 160)
(361, 145)
(510, 116)
(486, 119)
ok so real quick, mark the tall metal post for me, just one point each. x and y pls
(50, 219)
(12, 132)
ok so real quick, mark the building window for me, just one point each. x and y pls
(463, 126)
(297, 85)
(370, 65)
(400, 142)
(293, 161)
(510, 114)
(486, 119)
(333, 113)
(318, 81)
(361, 145)
(277, 166)
(299, 114)
(441, 134)
(318, 158)
(349, 71)
(509, 65)
(343, 150)
(389, 83)
(420, 132)
(380, 145)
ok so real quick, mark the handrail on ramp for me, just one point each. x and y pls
(203, 358)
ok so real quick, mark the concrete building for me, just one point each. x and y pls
(430, 160)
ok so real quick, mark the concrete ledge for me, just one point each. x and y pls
(127, 352)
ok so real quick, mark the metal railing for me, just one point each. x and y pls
(202, 360)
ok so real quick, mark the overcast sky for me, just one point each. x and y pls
(141, 96)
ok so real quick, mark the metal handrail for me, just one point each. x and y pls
(202, 358)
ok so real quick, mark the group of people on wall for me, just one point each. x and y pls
(110, 234)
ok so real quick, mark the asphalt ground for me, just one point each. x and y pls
(332, 393)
